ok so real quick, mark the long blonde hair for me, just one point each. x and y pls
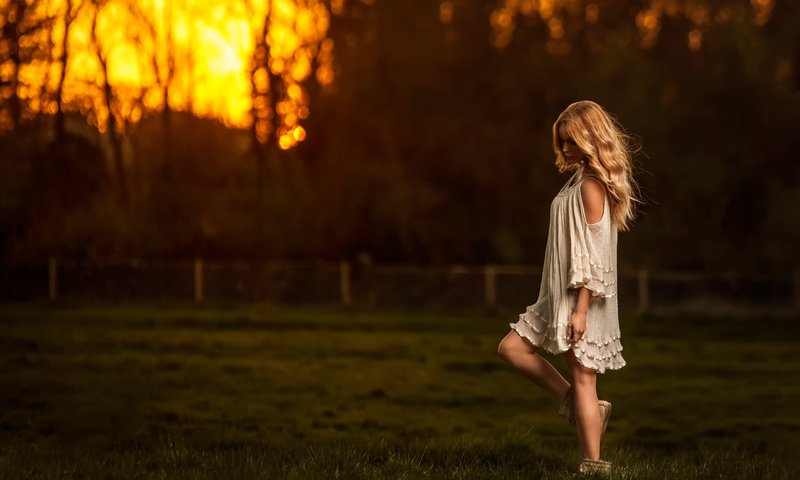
(608, 151)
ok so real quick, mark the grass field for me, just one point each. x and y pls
(313, 392)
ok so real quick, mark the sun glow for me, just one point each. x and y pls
(201, 55)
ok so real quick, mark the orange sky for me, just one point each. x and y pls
(211, 41)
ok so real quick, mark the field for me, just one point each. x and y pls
(266, 391)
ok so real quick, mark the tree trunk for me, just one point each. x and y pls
(113, 135)
(265, 120)
(12, 29)
(166, 114)
(59, 121)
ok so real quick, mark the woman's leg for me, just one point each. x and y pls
(587, 411)
(521, 354)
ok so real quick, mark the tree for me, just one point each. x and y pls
(71, 12)
(111, 111)
(25, 23)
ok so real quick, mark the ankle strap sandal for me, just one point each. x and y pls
(590, 466)
(566, 410)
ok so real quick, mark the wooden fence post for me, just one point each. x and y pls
(344, 283)
(796, 289)
(490, 286)
(198, 280)
(644, 293)
(52, 290)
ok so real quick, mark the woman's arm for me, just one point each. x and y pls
(593, 196)
(577, 319)
(582, 306)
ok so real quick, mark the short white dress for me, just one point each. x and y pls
(578, 254)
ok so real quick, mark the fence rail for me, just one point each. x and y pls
(489, 286)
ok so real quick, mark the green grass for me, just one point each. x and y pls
(282, 392)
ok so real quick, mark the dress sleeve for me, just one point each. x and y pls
(591, 261)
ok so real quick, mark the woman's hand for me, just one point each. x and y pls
(576, 326)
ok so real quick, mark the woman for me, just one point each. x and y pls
(576, 312)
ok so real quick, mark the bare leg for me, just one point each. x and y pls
(521, 354)
(587, 412)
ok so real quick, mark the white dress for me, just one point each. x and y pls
(577, 254)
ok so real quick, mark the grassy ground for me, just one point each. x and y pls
(280, 392)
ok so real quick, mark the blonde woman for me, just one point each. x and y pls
(576, 312)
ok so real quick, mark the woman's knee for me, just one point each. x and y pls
(512, 344)
(504, 348)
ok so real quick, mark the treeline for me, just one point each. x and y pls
(432, 145)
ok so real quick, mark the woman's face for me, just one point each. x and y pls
(572, 153)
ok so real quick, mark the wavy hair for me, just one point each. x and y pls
(608, 151)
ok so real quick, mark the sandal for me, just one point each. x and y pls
(605, 413)
(567, 410)
(590, 466)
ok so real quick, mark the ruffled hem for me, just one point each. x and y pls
(600, 355)
(539, 331)
(598, 278)
(597, 354)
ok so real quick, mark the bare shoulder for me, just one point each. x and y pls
(593, 194)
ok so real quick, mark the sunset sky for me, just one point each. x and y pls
(211, 43)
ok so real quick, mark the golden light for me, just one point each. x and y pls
(325, 74)
(527, 7)
(557, 16)
(763, 10)
(556, 28)
(446, 11)
(209, 45)
(695, 40)
(649, 23)
(546, 9)
(285, 142)
(337, 6)
(502, 21)
(299, 133)
(592, 13)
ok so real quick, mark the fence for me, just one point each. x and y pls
(486, 286)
